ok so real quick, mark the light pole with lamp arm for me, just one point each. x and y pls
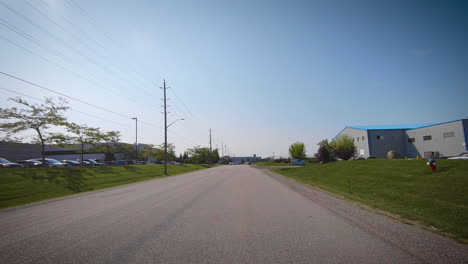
(136, 137)
(165, 145)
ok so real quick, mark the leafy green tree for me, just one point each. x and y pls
(109, 144)
(79, 134)
(171, 155)
(297, 151)
(37, 117)
(147, 150)
(110, 139)
(325, 152)
(343, 147)
(200, 155)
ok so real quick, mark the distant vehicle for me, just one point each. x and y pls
(52, 163)
(141, 162)
(30, 163)
(120, 162)
(4, 163)
(298, 162)
(85, 163)
(234, 163)
(71, 163)
(463, 155)
(94, 162)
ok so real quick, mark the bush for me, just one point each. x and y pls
(343, 147)
(297, 151)
(325, 152)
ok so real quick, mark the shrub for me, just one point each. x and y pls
(297, 151)
(343, 147)
(325, 152)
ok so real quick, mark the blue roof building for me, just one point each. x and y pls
(420, 140)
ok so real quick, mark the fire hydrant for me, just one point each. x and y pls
(432, 164)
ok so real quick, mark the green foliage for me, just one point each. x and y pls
(79, 134)
(159, 153)
(199, 155)
(37, 117)
(325, 152)
(297, 151)
(343, 147)
(404, 187)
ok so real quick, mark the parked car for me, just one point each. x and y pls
(30, 163)
(52, 163)
(94, 162)
(4, 163)
(463, 155)
(71, 163)
(120, 162)
(85, 163)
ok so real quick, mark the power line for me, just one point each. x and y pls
(97, 54)
(32, 97)
(58, 53)
(67, 96)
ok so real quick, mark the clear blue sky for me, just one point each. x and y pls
(261, 74)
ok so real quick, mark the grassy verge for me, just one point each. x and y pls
(22, 186)
(270, 163)
(403, 187)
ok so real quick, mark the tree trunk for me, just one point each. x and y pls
(42, 147)
(82, 154)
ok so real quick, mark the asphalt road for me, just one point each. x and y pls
(228, 214)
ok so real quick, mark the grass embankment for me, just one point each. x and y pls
(403, 187)
(22, 186)
(270, 163)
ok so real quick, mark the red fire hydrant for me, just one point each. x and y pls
(432, 165)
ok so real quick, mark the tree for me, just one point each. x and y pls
(297, 151)
(80, 134)
(160, 155)
(199, 155)
(36, 117)
(325, 152)
(110, 138)
(343, 147)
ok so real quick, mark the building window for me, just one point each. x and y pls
(380, 137)
(363, 137)
(357, 139)
(411, 140)
(396, 137)
(427, 138)
(449, 134)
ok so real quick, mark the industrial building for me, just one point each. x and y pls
(440, 140)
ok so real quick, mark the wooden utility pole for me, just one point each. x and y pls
(165, 129)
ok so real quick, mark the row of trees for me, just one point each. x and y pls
(339, 148)
(41, 118)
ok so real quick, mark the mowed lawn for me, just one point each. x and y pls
(405, 187)
(22, 186)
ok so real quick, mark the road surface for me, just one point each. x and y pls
(228, 214)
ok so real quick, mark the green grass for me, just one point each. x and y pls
(403, 187)
(23, 186)
(270, 163)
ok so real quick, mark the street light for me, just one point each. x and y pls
(165, 145)
(136, 137)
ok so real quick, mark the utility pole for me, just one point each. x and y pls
(165, 129)
(222, 148)
(210, 139)
(136, 137)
